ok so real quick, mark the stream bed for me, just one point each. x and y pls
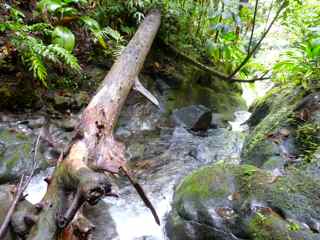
(159, 157)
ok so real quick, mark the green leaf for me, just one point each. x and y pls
(76, 1)
(49, 5)
(213, 49)
(230, 36)
(63, 37)
(91, 23)
(68, 11)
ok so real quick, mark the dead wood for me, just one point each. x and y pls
(80, 175)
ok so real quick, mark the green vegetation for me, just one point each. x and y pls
(62, 35)
(48, 38)
(308, 139)
(300, 64)
(52, 31)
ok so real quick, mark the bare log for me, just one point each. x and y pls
(80, 177)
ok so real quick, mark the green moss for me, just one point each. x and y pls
(189, 85)
(13, 160)
(308, 139)
(262, 227)
(294, 195)
(214, 181)
(21, 136)
(281, 103)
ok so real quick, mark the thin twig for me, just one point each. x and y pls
(244, 62)
(269, 13)
(214, 72)
(142, 194)
(254, 24)
(252, 80)
(23, 183)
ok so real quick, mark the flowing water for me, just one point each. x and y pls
(159, 157)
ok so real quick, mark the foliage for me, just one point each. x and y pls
(217, 29)
(308, 139)
(39, 44)
(300, 65)
(101, 34)
(33, 51)
(220, 32)
(63, 37)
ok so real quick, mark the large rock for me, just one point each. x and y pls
(195, 117)
(16, 149)
(18, 95)
(15, 155)
(272, 115)
(66, 101)
(181, 84)
(230, 202)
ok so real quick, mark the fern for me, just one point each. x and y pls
(108, 32)
(55, 51)
(45, 28)
(35, 63)
(34, 52)
(101, 34)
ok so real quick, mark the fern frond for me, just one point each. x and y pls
(14, 26)
(108, 32)
(38, 68)
(116, 52)
(45, 28)
(35, 64)
(63, 55)
(34, 51)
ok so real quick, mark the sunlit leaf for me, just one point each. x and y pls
(63, 37)
(49, 5)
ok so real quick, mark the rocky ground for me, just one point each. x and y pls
(273, 193)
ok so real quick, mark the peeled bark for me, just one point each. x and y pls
(80, 174)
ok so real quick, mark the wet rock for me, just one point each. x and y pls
(138, 115)
(81, 99)
(99, 215)
(16, 155)
(64, 101)
(195, 117)
(68, 123)
(241, 202)
(265, 142)
(218, 121)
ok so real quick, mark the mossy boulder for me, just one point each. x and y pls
(181, 84)
(16, 155)
(272, 114)
(219, 96)
(227, 202)
(66, 100)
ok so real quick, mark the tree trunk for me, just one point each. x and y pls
(80, 174)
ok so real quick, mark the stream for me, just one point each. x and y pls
(159, 157)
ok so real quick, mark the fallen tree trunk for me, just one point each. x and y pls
(80, 177)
